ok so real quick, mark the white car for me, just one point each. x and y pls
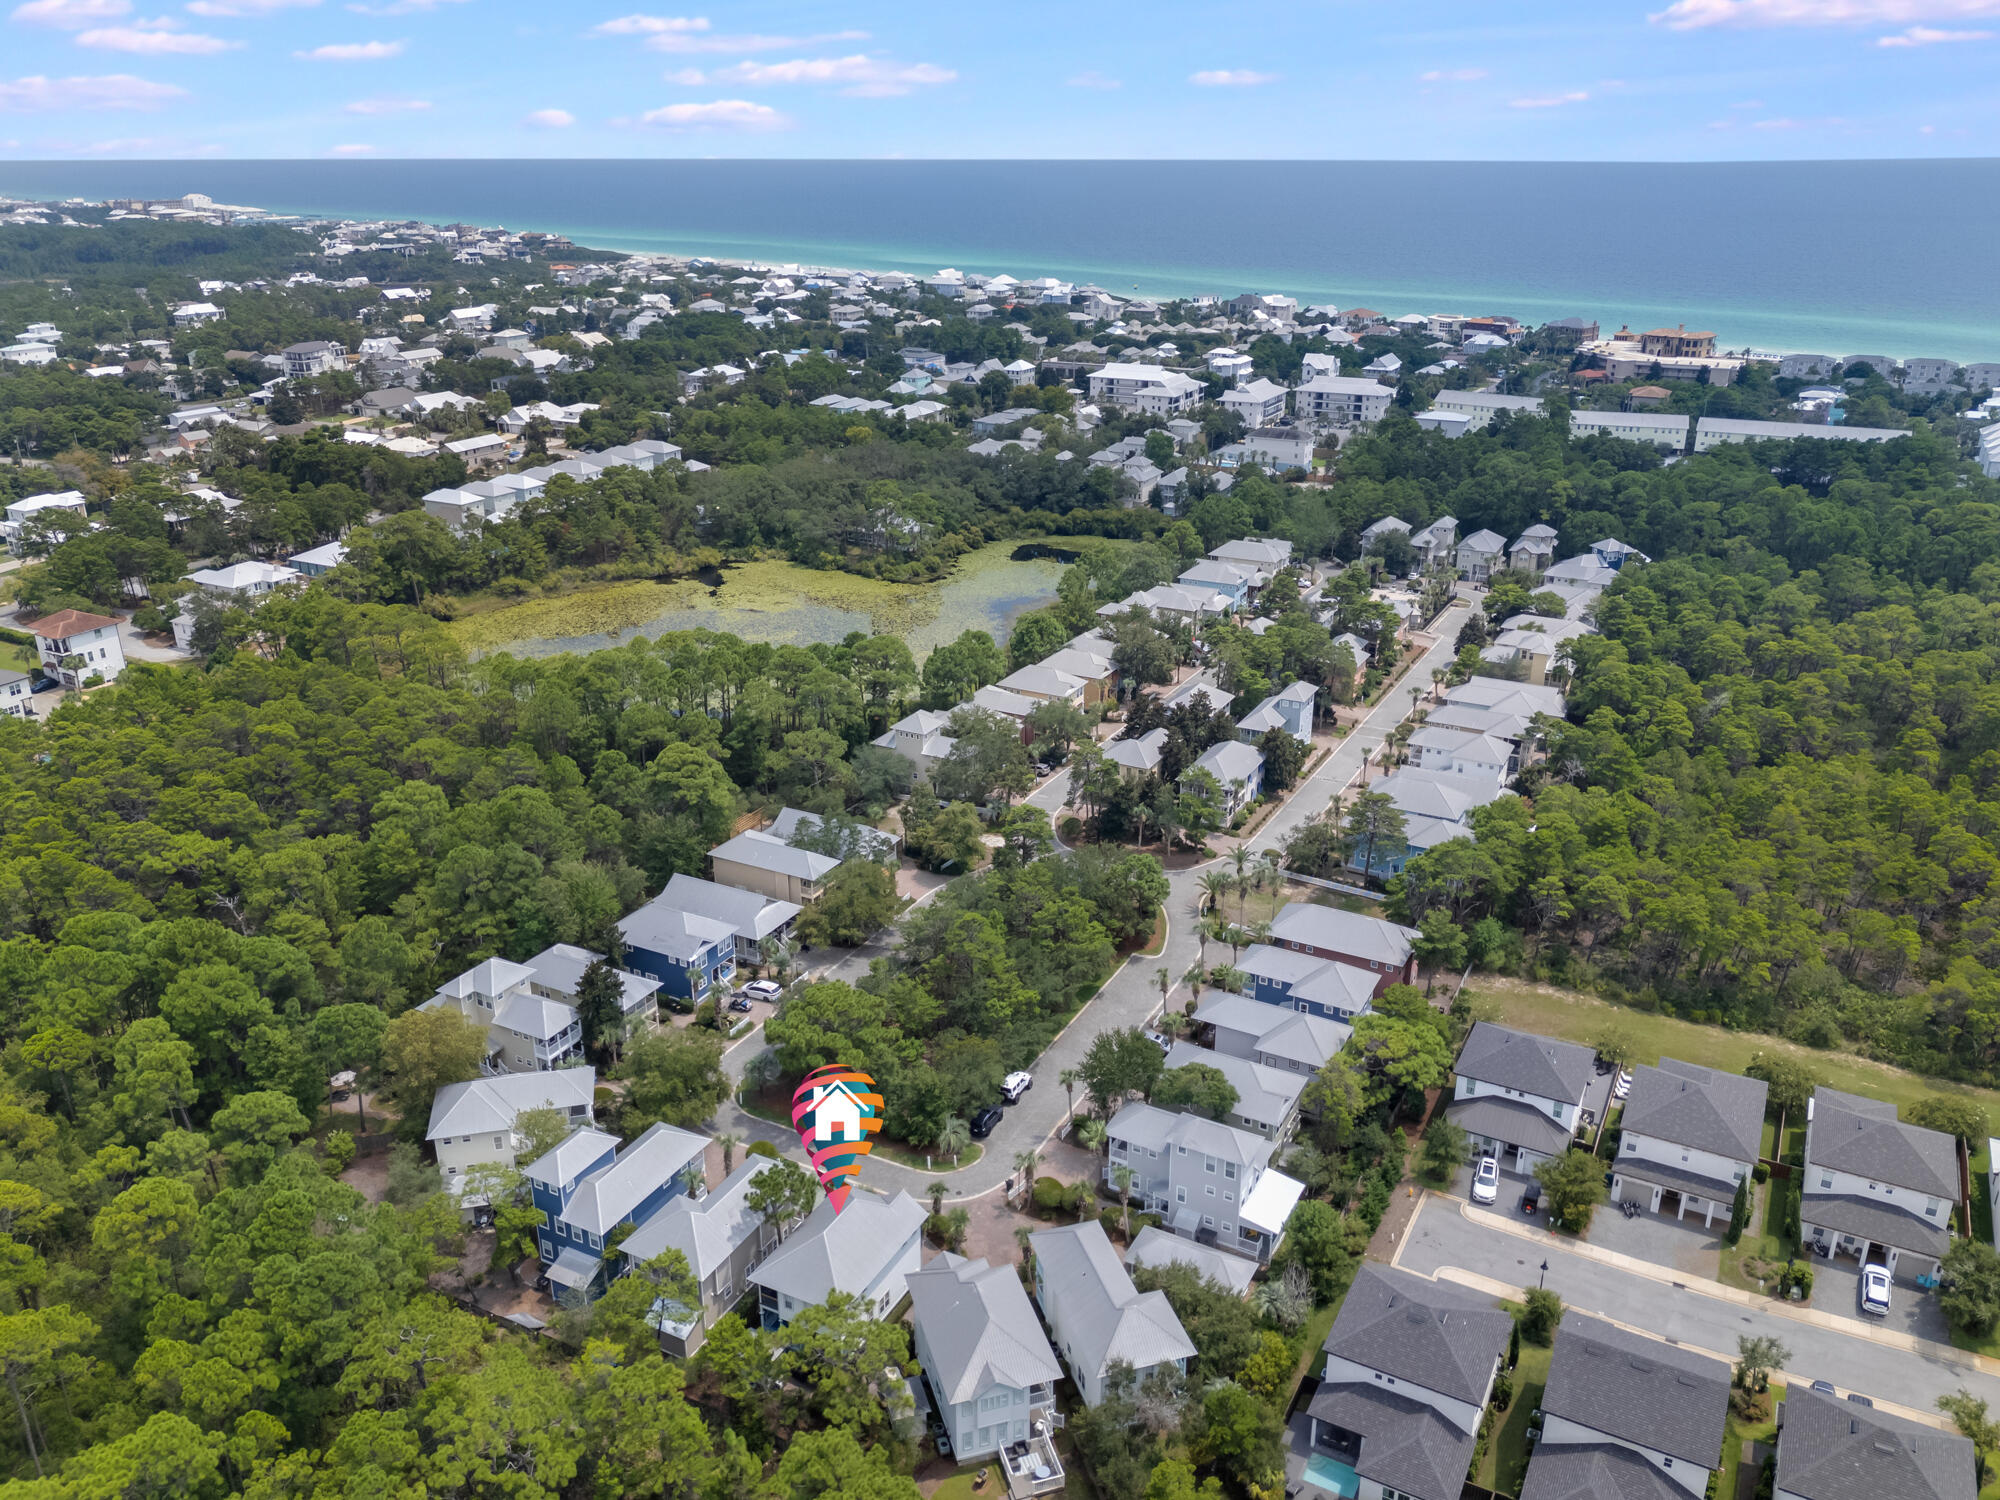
(1875, 1291)
(763, 989)
(1015, 1085)
(1486, 1180)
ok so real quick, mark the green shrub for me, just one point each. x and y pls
(1050, 1195)
(1540, 1316)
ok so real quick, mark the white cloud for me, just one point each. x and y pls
(386, 104)
(1930, 36)
(549, 119)
(720, 114)
(350, 151)
(401, 7)
(687, 78)
(1785, 122)
(1452, 75)
(36, 95)
(1549, 101)
(1691, 15)
(861, 74)
(244, 7)
(1230, 78)
(154, 39)
(648, 25)
(1093, 80)
(688, 41)
(70, 15)
(352, 52)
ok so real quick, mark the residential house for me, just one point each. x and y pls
(526, 1032)
(558, 972)
(1410, 1365)
(1287, 1040)
(241, 585)
(15, 698)
(1096, 1316)
(1147, 388)
(1380, 529)
(1190, 607)
(1453, 424)
(1289, 709)
(1534, 639)
(999, 421)
(991, 1373)
(1157, 1248)
(920, 738)
(1533, 550)
(1139, 758)
(1089, 664)
(722, 1238)
(1228, 365)
(758, 922)
(866, 1250)
(318, 561)
(1690, 1136)
(1383, 367)
(1267, 554)
(1383, 948)
(20, 512)
(75, 646)
(1210, 1182)
(1045, 684)
(315, 357)
(1436, 544)
(1464, 753)
(1479, 555)
(1307, 984)
(1481, 407)
(1260, 403)
(1233, 580)
(1276, 448)
(1664, 430)
(472, 1124)
(1627, 1415)
(587, 1187)
(1830, 1449)
(877, 844)
(1341, 401)
(1509, 697)
(1876, 1188)
(1267, 1099)
(689, 954)
(1520, 1096)
(1238, 770)
(758, 862)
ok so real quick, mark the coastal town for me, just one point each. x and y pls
(1448, 955)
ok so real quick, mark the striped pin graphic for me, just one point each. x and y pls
(838, 1114)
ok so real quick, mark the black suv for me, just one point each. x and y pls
(984, 1121)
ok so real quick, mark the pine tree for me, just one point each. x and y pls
(600, 1005)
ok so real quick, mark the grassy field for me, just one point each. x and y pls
(15, 658)
(1760, 1242)
(1505, 1467)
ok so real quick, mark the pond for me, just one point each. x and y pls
(779, 602)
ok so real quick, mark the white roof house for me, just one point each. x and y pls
(605, 1198)
(489, 1104)
(1158, 1248)
(1267, 1099)
(866, 1250)
(1097, 1316)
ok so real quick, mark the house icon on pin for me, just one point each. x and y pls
(836, 1114)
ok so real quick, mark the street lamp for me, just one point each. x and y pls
(1545, 1274)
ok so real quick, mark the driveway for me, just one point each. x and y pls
(1837, 1289)
(1681, 1245)
(1443, 1239)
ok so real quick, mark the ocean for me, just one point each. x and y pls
(1865, 257)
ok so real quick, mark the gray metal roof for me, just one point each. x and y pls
(1638, 1390)
(1263, 1094)
(1159, 1130)
(1704, 1109)
(753, 914)
(980, 1328)
(1509, 1120)
(1863, 1136)
(1595, 1471)
(790, 820)
(705, 1230)
(1156, 1247)
(1840, 1450)
(572, 1154)
(1343, 932)
(681, 934)
(1090, 1301)
(491, 1104)
(605, 1198)
(1536, 1065)
(841, 1252)
(762, 852)
(1429, 1334)
(1406, 1445)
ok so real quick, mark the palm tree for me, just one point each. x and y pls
(1214, 886)
(728, 1142)
(953, 1137)
(937, 1190)
(1069, 1078)
(1240, 857)
(1091, 1134)
(1025, 1163)
(1121, 1178)
(1165, 980)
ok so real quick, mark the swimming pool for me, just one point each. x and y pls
(1333, 1476)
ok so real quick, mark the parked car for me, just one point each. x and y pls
(984, 1121)
(1486, 1180)
(1531, 1200)
(1016, 1085)
(763, 989)
(740, 1003)
(1043, 768)
(1875, 1291)
(1159, 1041)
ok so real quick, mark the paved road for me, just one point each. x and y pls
(1132, 995)
(1443, 1238)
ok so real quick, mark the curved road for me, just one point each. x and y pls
(1131, 996)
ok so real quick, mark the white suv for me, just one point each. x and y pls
(1016, 1085)
(1486, 1180)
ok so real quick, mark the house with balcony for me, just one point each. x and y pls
(315, 357)
(1381, 947)
(1533, 550)
(1830, 1449)
(243, 585)
(867, 1250)
(1267, 554)
(1260, 403)
(472, 1123)
(1044, 684)
(586, 1187)
(1410, 1365)
(1626, 1415)
(21, 512)
(1307, 984)
(722, 1238)
(1138, 758)
(921, 738)
(1436, 543)
(1267, 1099)
(75, 646)
(526, 1032)
(1285, 1040)
(1233, 580)
(1341, 401)
(1459, 752)
(1146, 388)
(1238, 770)
(558, 970)
(689, 954)
(1155, 1248)
(758, 922)
(1479, 555)
(1096, 1316)
(1876, 1188)
(1208, 1182)
(1689, 1137)
(1520, 1096)
(757, 861)
(1289, 709)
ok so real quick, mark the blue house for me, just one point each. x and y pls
(586, 1187)
(1233, 580)
(1307, 983)
(1289, 709)
(689, 954)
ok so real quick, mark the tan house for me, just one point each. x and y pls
(723, 1239)
(758, 862)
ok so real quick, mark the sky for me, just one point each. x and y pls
(1631, 80)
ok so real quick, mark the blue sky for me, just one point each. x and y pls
(1654, 80)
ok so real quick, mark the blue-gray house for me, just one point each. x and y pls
(1307, 983)
(586, 1187)
(689, 954)
(1232, 580)
(1289, 709)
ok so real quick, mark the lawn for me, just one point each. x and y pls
(1505, 1467)
(16, 658)
(1732, 1444)
(1766, 1246)
(1313, 1360)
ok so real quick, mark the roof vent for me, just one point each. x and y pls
(1884, 1446)
(1643, 1366)
(1415, 1317)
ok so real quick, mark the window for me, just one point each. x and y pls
(1229, 1170)
(1630, 1144)
(1930, 1208)
(1180, 1195)
(1208, 1164)
(1826, 1179)
(594, 1243)
(499, 1141)
(1210, 1191)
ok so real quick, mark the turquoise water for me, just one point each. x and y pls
(1335, 1478)
(1874, 257)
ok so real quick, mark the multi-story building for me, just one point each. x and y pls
(1147, 388)
(1095, 1314)
(1875, 1188)
(1678, 343)
(866, 1250)
(1520, 1096)
(1341, 401)
(76, 646)
(586, 1187)
(991, 1372)
(1383, 948)
(1830, 1449)
(472, 1124)
(1209, 1182)
(722, 1239)
(1690, 1136)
